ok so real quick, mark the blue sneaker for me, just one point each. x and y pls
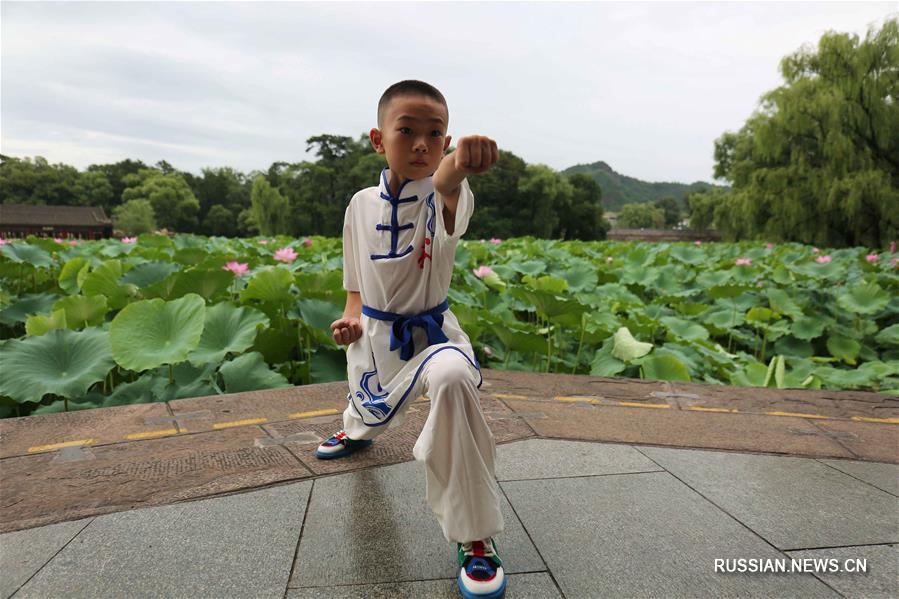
(338, 446)
(481, 573)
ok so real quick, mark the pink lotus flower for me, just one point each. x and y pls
(263, 241)
(238, 268)
(3, 241)
(892, 247)
(770, 246)
(814, 250)
(495, 241)
(744, 261)
(894, 262)
(129, 239)
(482, 271)
(823, 259)
(483, 240)
(872, 258)
(58, 240)
(73, 242)
(307, 243)
(286, 255)
(697, 242)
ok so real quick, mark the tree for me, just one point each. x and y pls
(818, 162)
(26, 181)
(582, 218)
(670, 209)
(173, 202)
(94, 189)
(268, 209)
(134, 217)
(701, 208)
(543, 193)
(115, 173)
(641, 216)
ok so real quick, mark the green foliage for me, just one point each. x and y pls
(641, 216)
(819, 161)
(134, 217)
(268, 208)
(174, 204)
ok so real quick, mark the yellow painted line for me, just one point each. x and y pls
(60, 445)
(866, 419)
(572, 398)
(150, 434)
(239, 422)
(632, 404)
(798, 415)
(508, 396)
(701, 409)
(313, 413)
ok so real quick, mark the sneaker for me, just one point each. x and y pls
(338, 446)
(481, 573)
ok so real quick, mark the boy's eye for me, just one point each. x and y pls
(405, 130)
(436, 133)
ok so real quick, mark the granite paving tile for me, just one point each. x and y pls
(643, 535)
(880, 581)
(375, 526)
(794, 503)
(882, 476)
(239, 545)
(549, 458)
(537, 585)
(24, 552)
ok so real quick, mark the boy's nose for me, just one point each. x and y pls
(420, 145)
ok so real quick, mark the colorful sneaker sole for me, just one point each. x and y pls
(469, 595)
(347, 450)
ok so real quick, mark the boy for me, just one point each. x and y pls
(399, 243)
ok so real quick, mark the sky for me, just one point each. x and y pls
(645, 87)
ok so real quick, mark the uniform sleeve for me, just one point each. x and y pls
(350, 269)
(464, 210)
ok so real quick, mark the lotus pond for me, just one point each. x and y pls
(154, 318)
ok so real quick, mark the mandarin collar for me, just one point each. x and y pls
(413, 187)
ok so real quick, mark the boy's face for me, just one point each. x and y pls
(412, 136)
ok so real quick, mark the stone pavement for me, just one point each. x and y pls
(612, 488)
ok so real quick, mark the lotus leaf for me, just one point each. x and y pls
(28, 305)
(270, 285)
(68, 277)
(775, 375)
(208, 284)
(150, 333)
(148, 273)
(249, 372)
(627, 348)
(751, 375)
(888, 336)
(866, 298)
(82, 311)
(664, 368)
(843, 348)
(791, 346)
(62, 362)
(104, 280)
(684, 328)
(580, 277)
(41, 325)
(228, 329)
(328, 365)
(781, 303)
(24, 253)
(604, 364)
(687, 254)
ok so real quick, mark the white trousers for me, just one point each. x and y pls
(456, 446)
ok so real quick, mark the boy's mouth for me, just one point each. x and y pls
(419, 163)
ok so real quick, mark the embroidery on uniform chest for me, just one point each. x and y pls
(428, 240)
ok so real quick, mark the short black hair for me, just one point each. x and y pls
(409, 87)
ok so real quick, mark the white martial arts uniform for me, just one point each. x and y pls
(398, 254)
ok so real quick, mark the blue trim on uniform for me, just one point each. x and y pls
(394, 227)
(401, 330)
(415, 379)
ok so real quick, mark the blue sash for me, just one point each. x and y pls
(401, 330)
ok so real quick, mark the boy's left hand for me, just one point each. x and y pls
(475, 154)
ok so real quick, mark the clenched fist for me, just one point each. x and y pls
(475, 154)
(346, 330)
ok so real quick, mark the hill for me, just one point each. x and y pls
(618, 189)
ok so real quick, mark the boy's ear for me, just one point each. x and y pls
(447, 141)
(375, 137)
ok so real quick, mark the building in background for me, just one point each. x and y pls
(79, 222)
